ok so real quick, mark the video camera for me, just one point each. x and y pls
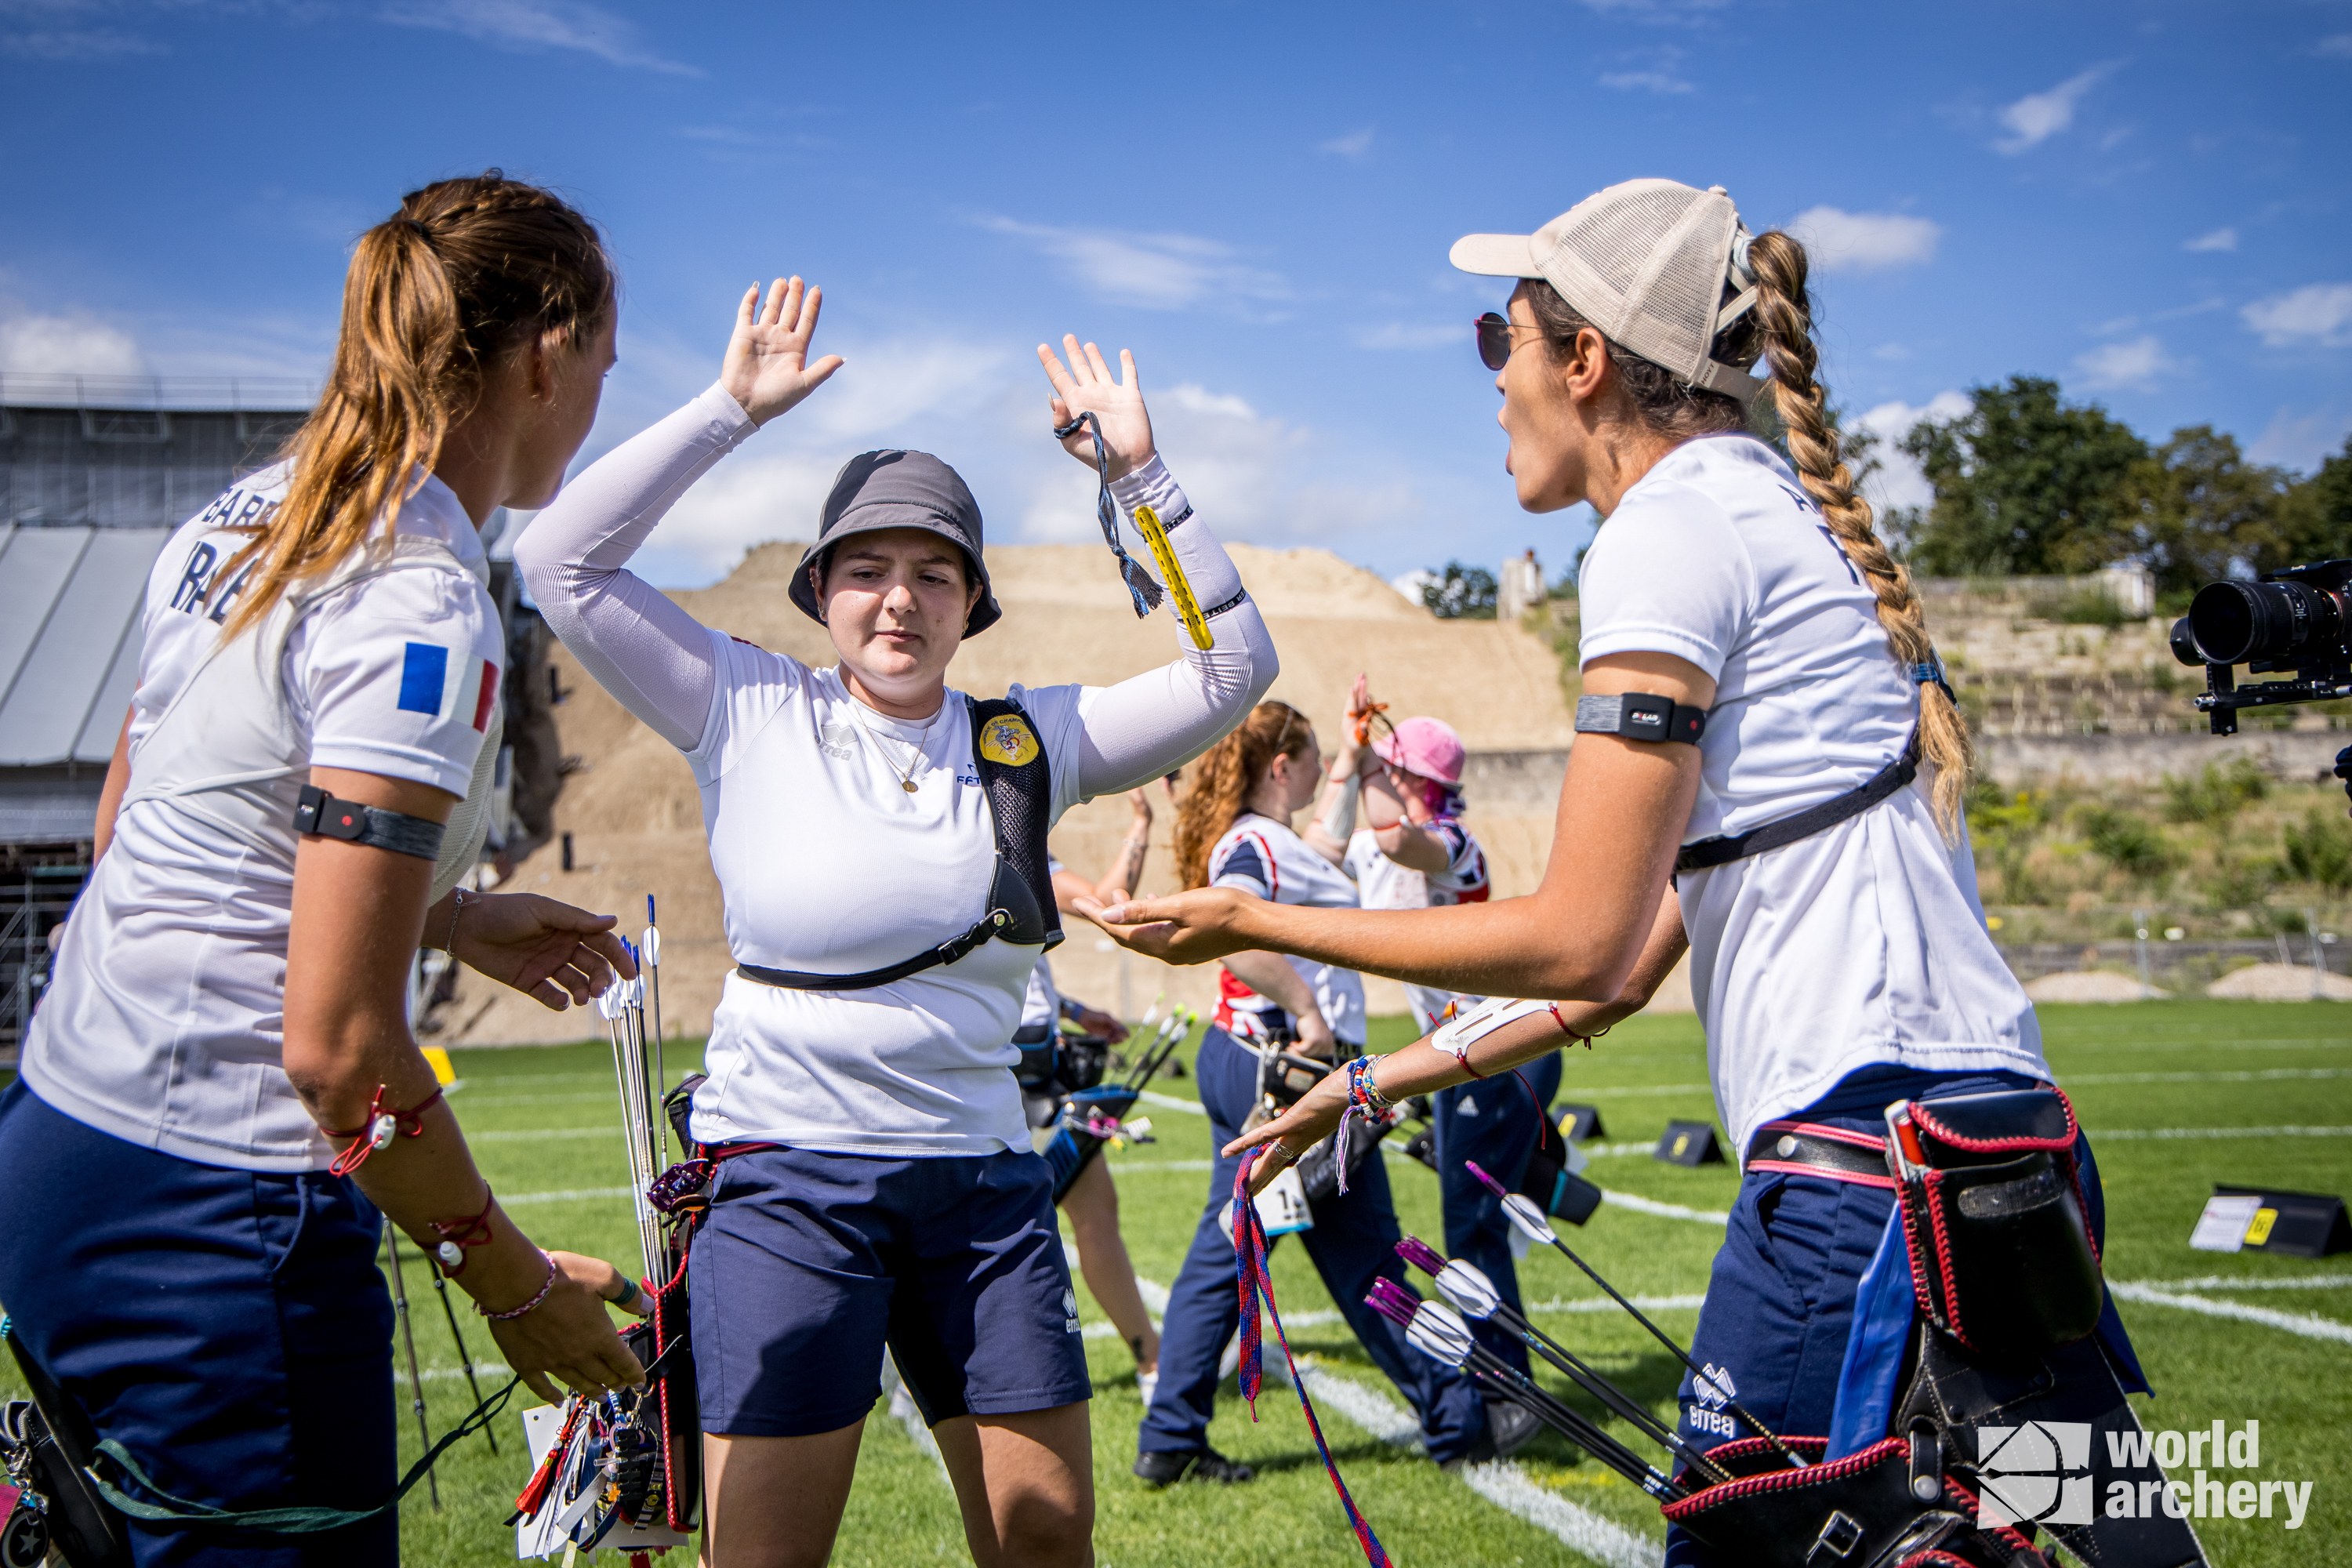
(2297, 620)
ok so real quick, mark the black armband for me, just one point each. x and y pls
(1640, 716)
(348, 820)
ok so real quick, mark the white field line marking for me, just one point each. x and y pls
(2109, 1134)
(904, 1410)
(1155, 1302)
(2191, 1044)
(1118, 1165)
(2223, 1282)
(1503, 1484)
(2308, 1325)
(2267, 1074)
(1664, 1211)
(1511, 1488)
(566, 1195)
(1169, 1102)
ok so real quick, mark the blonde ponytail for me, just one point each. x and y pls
(1784, 318)
(466, 271)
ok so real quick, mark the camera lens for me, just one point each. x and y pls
(2264, 623)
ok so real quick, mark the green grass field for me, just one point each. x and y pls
(544, 1126)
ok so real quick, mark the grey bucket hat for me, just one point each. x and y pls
(899, 490)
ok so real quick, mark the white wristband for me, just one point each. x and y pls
(1340, 820)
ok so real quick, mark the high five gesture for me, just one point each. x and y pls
(767, 369)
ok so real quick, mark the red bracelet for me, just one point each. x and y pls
(457, 1235)
(382, 1122)
(1585, 1039)
(526, 1306)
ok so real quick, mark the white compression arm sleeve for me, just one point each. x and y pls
(1153, 724)
(648, 653)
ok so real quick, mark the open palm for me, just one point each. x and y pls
(1085, 386)
(767, 369)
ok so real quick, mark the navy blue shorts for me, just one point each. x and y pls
(809, 1263)
(228, 1327)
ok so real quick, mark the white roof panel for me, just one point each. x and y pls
(74, 661)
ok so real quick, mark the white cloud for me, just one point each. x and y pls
(75, 344)
(1663, 83)
(1412, 335)
(1355, 144)
(1841, 241)
(2316, 312)
(1683, 11)
(78, 43)
(1410, 583)
(2339, 46)
(1194, 398)
(538, 23)
(2301, 440)
(2218, 239)
(2035, 118)
(2140, 363)
(1899, 482)
(1157, 271)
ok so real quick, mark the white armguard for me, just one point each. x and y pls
(1457, 1037)
(1341, 821)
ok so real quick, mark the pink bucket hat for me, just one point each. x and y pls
(1428, 747)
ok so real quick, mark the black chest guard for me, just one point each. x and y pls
(1019, 783)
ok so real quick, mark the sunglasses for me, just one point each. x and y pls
(1494, 340)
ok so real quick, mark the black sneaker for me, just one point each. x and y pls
(1509, 1428)
(1165, 1469)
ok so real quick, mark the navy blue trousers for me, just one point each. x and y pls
(229, 1328)
(1353, 1240)
(1494, 1124)
(1779, 1303)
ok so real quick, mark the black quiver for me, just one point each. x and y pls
(52, 1440)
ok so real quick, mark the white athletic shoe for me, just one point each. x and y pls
(1147, 1383)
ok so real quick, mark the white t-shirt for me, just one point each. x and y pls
(1383, 884)
(164, 1022)
(802, 790)
(1860, 945)
(1261, 855)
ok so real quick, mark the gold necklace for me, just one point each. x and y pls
(907, 773)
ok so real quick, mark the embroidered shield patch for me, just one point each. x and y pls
(1007, 740)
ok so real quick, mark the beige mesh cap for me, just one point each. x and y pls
(1645, 262)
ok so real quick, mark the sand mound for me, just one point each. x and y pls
(636, 819)
(2279, 983)
(2089, 985)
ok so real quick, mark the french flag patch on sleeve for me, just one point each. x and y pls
(426, 687)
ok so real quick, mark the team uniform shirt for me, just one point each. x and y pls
(1383, 884)
(1861, 945)
(825, 864)
(1261, 855)
(164, 1022)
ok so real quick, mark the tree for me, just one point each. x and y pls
(2315, 516)
(2025, 481)
(2195, 510)
(1460, 593)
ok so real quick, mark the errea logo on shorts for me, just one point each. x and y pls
(1714, 1391)
(1069, 1310)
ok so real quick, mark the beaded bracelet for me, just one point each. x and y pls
(526, 1306)
(1363, 1092)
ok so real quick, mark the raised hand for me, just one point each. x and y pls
(1181, 928)
(767, 369)
(1086, 386)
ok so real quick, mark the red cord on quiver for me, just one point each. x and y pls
(382, 1122)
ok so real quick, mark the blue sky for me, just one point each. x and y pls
(2148, 203)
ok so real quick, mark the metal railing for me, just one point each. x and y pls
(232, 394)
